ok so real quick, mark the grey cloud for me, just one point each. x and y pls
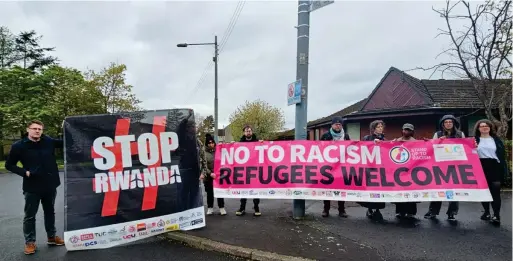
(352, 45)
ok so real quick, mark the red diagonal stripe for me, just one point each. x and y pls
(150, 193)
(111, 199)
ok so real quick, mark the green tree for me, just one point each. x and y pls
(265, 119)
(29, 52)
(7, 48)
(206, 125)
(117, 94)
(67, 94)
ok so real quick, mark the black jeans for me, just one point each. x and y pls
(406, 208)
(435, 207)
(243, 201)
(209, 188)
(341, 205)
(492, 170)
(32, 200)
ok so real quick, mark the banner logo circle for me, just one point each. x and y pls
(399, 155)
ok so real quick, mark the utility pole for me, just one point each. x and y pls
(216, 108)
(303, 43)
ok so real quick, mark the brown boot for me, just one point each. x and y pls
(30, 248)
(55, 241)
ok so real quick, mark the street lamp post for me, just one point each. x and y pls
(215, 59)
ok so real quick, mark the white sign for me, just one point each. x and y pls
(314, 5)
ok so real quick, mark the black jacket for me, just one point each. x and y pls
(501, 153)
(38, 158)
(327, 136)
(456, 133)
(374, 136)
(253, 138)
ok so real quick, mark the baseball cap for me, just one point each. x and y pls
(408, 126)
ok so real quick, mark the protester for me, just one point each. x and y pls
(336, 132)
(40, 173)
(248, 136)
(406, 209)
(491, 152)
(449, 129)
(377, 129)
(208, 176)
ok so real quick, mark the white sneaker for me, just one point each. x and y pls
(222, 211)
(210, 211)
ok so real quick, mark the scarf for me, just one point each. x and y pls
(337, 136)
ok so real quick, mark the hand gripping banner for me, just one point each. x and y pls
(130, 176)
(434, 170)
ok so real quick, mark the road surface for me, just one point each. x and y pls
(11, 243)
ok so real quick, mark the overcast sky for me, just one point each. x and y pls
(352, 45)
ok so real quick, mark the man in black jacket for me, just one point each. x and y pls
(248, 136)
(336, 132)
(40, 173)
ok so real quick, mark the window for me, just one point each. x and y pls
(471, 121)
(353, 129)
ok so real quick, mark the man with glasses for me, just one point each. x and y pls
(40, 173)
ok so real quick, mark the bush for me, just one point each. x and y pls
(507, 177)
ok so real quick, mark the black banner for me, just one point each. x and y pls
(130, 176)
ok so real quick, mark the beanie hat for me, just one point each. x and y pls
(337, 119)
(209, 138)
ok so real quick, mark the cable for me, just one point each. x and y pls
(228, 31)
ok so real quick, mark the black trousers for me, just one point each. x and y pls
(435, 207)
(209, 189)
(32, 200)
(492, 170)
(243, 201)
(341, 205)
(406, 208)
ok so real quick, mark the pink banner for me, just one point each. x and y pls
(434, 170)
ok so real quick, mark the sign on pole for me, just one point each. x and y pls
(314, 5)
(294, 92)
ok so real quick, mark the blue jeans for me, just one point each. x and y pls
(32, 200)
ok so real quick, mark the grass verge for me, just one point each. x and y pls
(60, 163)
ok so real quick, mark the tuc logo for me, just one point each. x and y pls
(399, 155)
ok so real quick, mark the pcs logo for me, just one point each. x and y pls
(399, 155)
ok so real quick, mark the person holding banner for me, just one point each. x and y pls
(406, 209)
(40, 174)
(336, 132)
(248, 136)
(377, 134)
(208, 176)
(491, 153)
(449, 129)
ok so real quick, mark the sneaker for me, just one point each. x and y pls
(222, 211)
(496, 219)
(210, 211)
(55, 241)
(240, 212)
(486, 216)
(30, 248)
(257, 211)
(430, 215)
(410, 216)
(325, 213)
(451, 217)
(342, 214)
(399, 215)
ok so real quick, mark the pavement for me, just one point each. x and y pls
(11, 242)
(358, 238)
(276, 236)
